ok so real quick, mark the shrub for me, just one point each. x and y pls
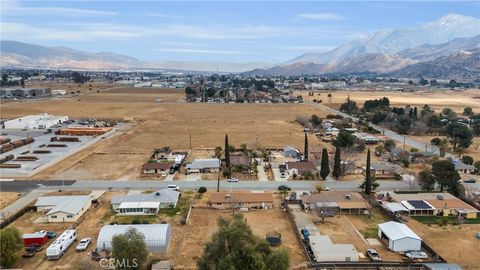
(202, 190)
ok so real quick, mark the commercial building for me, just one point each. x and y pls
(40, 121)
(24, 92)
(326, 251)
(226, 200)
(156, 236)
(63, 208)
(145, 204)
(399, 237)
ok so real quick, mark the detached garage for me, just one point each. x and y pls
(399, 236)
(156, 236)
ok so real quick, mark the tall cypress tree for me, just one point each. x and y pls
(337, 169)
(227, 152)
(324, 167)
(368, 176)
(305, 150)
(415, 113)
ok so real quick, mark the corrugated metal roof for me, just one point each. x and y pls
(156, 236)
(395, 231)
(54, 200)
(396, 207)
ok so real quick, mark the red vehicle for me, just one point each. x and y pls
(39, 238)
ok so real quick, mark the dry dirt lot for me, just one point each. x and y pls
(349, 229)
(203, 224)
(159, 124)
(456, 100)
(455, 243)
(7, 198)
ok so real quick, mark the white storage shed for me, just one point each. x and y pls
(157, 236)
(399, 236)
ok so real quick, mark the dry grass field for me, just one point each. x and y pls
(7, 198)
(456, 244)
(158, 124)
(456, 100)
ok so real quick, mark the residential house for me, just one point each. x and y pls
(300, 168)
(227, 200)
(289, 151)
(336, 202)
(145, 204)
(386, 170)
(241, 162)
(463, 168)
(63, 208)
(208, 165)
(156, 167)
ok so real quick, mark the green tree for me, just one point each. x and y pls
(445, 174)
(468, 111)
(10, 244)
(467, 160)
(449, 113)
(130, 246)
(337, 164)
(324, 165)
(460, 135)
(234, 246)
(349, 107)
(189, 91)
(227, 152)
(344, 139)
(423, 81)
(389, 144)
(315, 120)
(476, 164)
(305, 150)
(368, 176)
(426, 180)
(218, 152)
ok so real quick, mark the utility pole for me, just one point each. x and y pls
(404, 137)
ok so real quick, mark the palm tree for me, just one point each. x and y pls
(329, 97)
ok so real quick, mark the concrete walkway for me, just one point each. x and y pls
(262, 176)
(21, 203)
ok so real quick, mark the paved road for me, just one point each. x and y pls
(385, 185)
(29, 185)
(391, 134)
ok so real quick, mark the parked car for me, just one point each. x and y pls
(82, 246)
(173, 187)
(416, 254)
(284, 187)
(51, 234)
(478, 235)
(373, 255)
(233, 179)
(28, 254)
(34, 248)
(326, 188)
(470, 181)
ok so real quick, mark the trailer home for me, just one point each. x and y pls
(61, 244)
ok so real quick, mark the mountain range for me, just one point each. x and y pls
(445, 48)
(387, 51)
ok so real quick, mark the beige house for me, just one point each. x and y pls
(63, 208)
(228, 200)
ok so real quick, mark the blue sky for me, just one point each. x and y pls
(248, 31)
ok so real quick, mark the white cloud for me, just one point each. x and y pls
(321, 16)
(198, 51)
(12, 8)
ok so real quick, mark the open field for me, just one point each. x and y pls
(203, 225)
(455, 243)
(7, 198)
(456, 100)
(159, 124)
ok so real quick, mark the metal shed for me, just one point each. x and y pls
(399, 236)
(157, 236)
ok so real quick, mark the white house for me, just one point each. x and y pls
(145, 204)
(40, 121)
(63, 208)
(204, 165)
(399, 236)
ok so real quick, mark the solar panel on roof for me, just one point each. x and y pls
(420, 204)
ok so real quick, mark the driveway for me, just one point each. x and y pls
(262, 176)
(277, 175)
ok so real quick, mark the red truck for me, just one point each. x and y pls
(39, 238)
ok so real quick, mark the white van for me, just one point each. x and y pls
(173, 187)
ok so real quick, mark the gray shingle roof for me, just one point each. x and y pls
(163, 196)
(67, 204)
(204, 163)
